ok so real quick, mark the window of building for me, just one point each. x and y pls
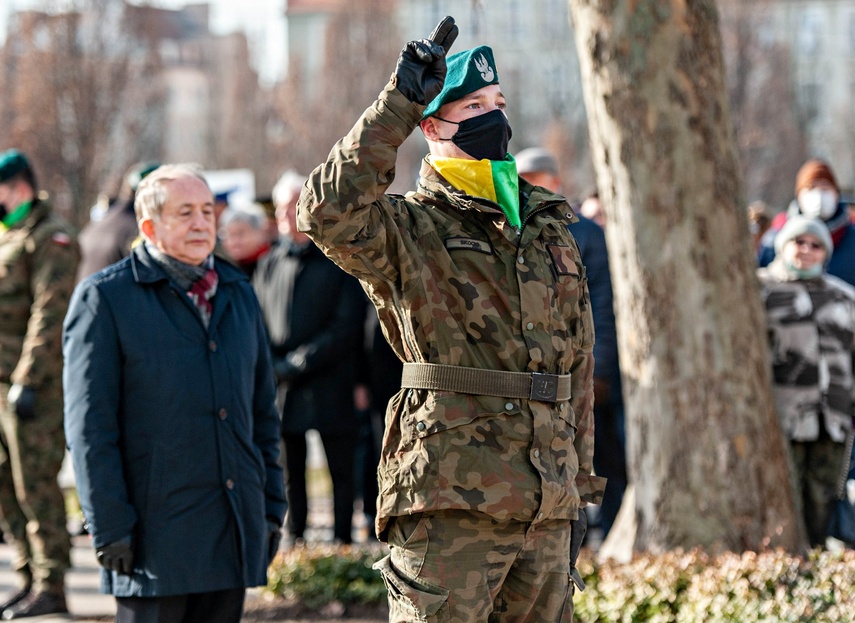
(809, 33)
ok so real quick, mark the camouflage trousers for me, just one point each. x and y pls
(817, 465)
(464, 566)
(32, 506)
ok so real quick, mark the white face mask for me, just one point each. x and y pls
(818, 203)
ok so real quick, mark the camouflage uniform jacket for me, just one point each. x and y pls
(454, 283)
(38, 260)
(812, 332)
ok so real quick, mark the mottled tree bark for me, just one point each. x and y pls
(707, 458)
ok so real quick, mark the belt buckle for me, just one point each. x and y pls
(544, 387)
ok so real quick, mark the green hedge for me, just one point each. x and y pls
(680, 587)
(319, 575)
(677, 587)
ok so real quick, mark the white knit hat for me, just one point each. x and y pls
(797, 225)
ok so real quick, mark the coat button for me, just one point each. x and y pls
(212, 346)
(421, 426)
(223, 414)
(530, 326)
(537, 454)
(521, 259)
(230, 484)
(509, 406)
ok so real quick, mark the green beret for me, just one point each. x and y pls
(12, 162)
(468, 71)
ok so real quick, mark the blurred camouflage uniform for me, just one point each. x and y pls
(455, 284)
(812, 334)
(38, 260)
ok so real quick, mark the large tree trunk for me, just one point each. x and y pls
(708, 461)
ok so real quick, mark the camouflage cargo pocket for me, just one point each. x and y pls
(408, 601)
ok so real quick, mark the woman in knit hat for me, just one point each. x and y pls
(811, 321)
(817, 195)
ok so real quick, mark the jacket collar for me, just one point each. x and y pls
(147, 270)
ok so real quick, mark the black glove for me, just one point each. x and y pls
(22, 400)
(421, 68)
(117, 556)
(284, 370)
(274, 536)
(578, 528)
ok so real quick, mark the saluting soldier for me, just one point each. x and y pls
(38, 260)
(479, 287)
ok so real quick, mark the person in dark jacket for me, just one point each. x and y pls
(314, 313)
(170, 417)
(539, 167)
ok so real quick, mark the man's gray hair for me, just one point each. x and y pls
(151, 193)
(250, 213)
(290, 184)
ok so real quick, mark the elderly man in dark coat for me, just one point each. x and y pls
(170, 417)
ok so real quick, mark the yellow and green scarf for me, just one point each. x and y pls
(16, 216)
(496, 180)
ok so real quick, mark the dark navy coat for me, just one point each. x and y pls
(315, 313)
(172, 428)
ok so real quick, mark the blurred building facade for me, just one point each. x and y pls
(821, 36)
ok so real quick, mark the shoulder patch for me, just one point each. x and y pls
(470, 244)
(61, 238)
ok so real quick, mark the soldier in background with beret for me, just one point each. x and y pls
(480, 290)
(38, 260)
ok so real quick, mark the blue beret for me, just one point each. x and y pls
(468, 71)
(12, 162)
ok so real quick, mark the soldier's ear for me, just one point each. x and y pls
(428, 128)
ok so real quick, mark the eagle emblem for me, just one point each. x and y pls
(484, 67)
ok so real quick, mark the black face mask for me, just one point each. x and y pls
(484, 136)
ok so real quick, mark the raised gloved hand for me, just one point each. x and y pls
(117, 556)
(421, 68)
(274, 536)
(578, 528)
(22, 400)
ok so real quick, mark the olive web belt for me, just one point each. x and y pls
(530, 385)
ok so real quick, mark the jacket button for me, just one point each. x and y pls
(530, 326)
(421, 426)
(230, 484)
(509, 406)
(521, 259)
(212, 346)
(223, 414)
(537, 454)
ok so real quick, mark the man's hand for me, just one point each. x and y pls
(274, 536)
(117, 556)
(421, 68)
(22, 400)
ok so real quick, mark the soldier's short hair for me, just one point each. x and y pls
(151, 193)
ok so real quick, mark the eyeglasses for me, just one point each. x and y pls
(810, 244)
